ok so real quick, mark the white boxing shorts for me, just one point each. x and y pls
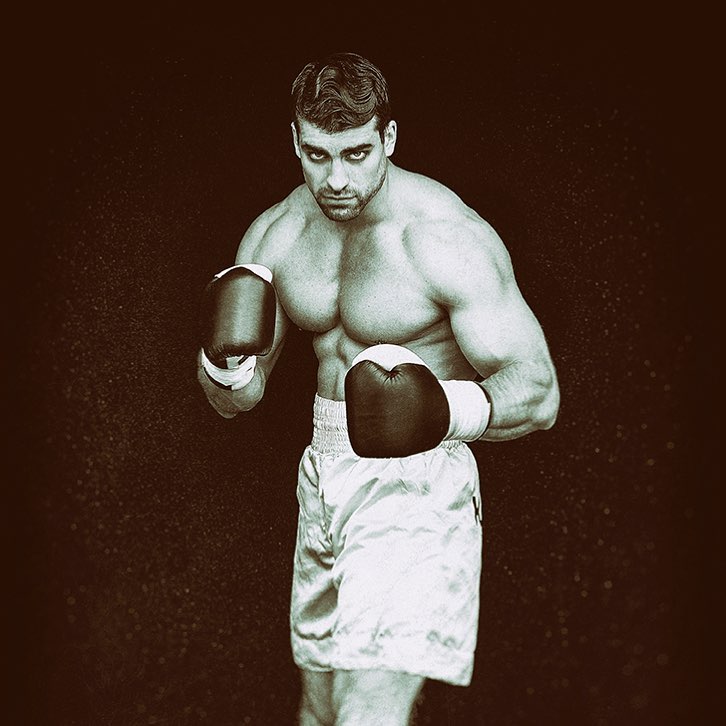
(388, 557)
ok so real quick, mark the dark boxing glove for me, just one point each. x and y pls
(238, 323)
(397, 407)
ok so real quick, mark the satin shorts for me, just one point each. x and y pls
(388, 557)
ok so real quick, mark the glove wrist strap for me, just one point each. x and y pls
(469, 410)
(233, 378)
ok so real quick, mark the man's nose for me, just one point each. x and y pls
(338, 176)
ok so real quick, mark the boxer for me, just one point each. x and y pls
(424, 345)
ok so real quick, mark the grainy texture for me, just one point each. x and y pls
(154, 539)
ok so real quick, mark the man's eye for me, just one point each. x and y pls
(315, 156)
(358, 155)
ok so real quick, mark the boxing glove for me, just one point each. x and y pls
(397, 407)
(238, 323)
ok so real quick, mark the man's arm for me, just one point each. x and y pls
(497, 332)
(254, 248)
(229, 403)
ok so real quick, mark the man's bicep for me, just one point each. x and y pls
(495, 328)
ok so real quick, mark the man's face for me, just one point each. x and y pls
(344, 170)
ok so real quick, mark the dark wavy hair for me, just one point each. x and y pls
(341, 92)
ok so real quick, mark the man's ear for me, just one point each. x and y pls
(390, 134)
(295, 140)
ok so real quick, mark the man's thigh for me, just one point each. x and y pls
(350, 698)
(316, 707)
(385, 698)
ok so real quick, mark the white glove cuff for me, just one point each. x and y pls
(469, 410)
(234, 378)
(388, 356)
(260, 270)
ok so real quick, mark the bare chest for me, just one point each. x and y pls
(363, 285)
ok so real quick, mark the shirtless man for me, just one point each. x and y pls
(387, 563)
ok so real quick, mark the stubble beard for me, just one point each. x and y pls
(353, 208)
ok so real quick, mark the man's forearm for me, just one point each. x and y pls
(524, 398)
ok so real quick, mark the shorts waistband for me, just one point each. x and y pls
(330, 428)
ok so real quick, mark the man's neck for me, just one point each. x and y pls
(379, 208)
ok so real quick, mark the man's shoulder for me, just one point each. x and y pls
(277, 225)
(436, 211)
(290, 213)
(446, 239)
(441, 222)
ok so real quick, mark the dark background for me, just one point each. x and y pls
(151, 541)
